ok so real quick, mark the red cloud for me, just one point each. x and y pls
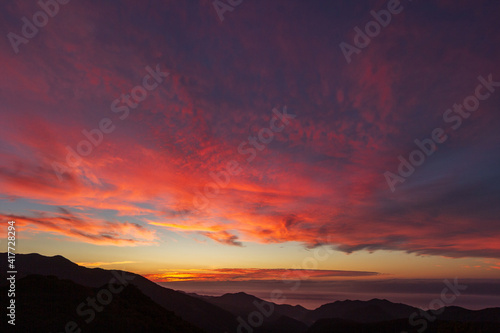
(320, 179)
(82, 228)
(252, 274)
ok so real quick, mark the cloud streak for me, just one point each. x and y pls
(81, 228)
(319, 181)
(253, 274)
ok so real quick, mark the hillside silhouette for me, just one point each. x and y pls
(49, 291)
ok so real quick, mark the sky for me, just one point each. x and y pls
(259, 141)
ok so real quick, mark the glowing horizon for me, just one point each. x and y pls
(233, 150)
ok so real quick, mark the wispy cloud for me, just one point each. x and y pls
(321, 177)
(102, 263)
(85, 229)
(252, 274)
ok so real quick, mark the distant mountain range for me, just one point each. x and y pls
(53, 292)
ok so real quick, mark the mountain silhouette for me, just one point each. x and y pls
(281, 318)
(202, 314)
(242, 304)
(48, 304)
(50, 289)
(402, 325)
(362, 311)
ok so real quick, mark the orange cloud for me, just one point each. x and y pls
(101, 263)
(319, 180)
(250, 274)
(82, 228)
